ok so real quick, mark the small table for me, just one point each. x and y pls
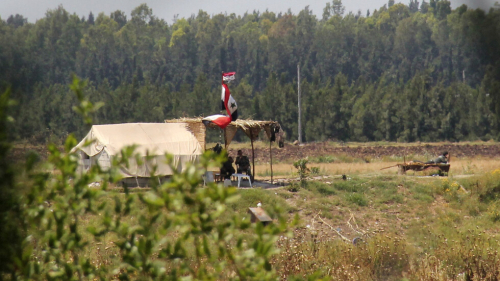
(218, 177)
(242, 176)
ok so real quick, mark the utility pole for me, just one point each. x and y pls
(300, 111)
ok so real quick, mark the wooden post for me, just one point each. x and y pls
(253, 156)
(299, 106)
(271, 156)
(225, 140)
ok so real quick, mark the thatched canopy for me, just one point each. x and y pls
(251, 128)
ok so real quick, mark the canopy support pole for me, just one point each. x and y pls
(271, 156)
(253, 155)
(225, 140)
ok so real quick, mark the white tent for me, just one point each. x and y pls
(157, 139)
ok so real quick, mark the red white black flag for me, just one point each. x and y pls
(227, 102)
(228, 76)
(218, 119)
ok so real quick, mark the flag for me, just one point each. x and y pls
(218, 119)
(228, 103)
(228, 76)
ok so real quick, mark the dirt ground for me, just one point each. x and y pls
(368, 152)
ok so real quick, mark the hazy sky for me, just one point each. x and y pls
(166, 9)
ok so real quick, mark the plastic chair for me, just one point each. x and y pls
(208, 177)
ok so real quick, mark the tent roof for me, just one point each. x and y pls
(251, 128)
(240, 123)
(155, 138)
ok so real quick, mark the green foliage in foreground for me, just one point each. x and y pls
(176, 231)
(9, 203)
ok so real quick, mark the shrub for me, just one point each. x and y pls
(301, 166)
(315, 170)
(293, 187)
(11, 233)
(320, 188)
(246, 198)
(324, 159)
(349, 186)
(494, 211)
(357, 198)
(471, 255)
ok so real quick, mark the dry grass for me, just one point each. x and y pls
(458, 167)
(404, 236)
(265, 144)
(412, 228)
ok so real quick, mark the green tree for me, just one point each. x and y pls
(119, 17)
(337, 8)
(12, 234)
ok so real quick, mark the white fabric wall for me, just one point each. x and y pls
(104, 142)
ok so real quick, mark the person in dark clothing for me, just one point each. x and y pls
(441, 159)
(243, 163)
(227, 168)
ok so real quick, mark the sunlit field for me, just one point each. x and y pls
(458, 167)
(375, 225)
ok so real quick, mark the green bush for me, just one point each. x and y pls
(324, 159)
(293, 187)
(357, 198)
(10, 212)
(246, 198)
(301, 166)
(320, 188)
(315, 170)
(349, 186)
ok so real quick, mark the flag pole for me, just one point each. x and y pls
(271, 156)
(224, 130)
(300, 111)
(253, 157)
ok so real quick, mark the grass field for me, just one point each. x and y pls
(406, 228)
(458, 167)
(376, 225)
(413, 228)
(265, 144)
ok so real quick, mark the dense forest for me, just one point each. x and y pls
(416, 72)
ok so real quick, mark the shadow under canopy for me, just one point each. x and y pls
(251, 128)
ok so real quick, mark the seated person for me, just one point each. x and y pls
(243, 163)
(227, 168)
(442, 159)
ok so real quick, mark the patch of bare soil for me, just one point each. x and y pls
(18, 153)
(293, 152)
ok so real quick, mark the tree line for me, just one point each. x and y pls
(416, 72)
